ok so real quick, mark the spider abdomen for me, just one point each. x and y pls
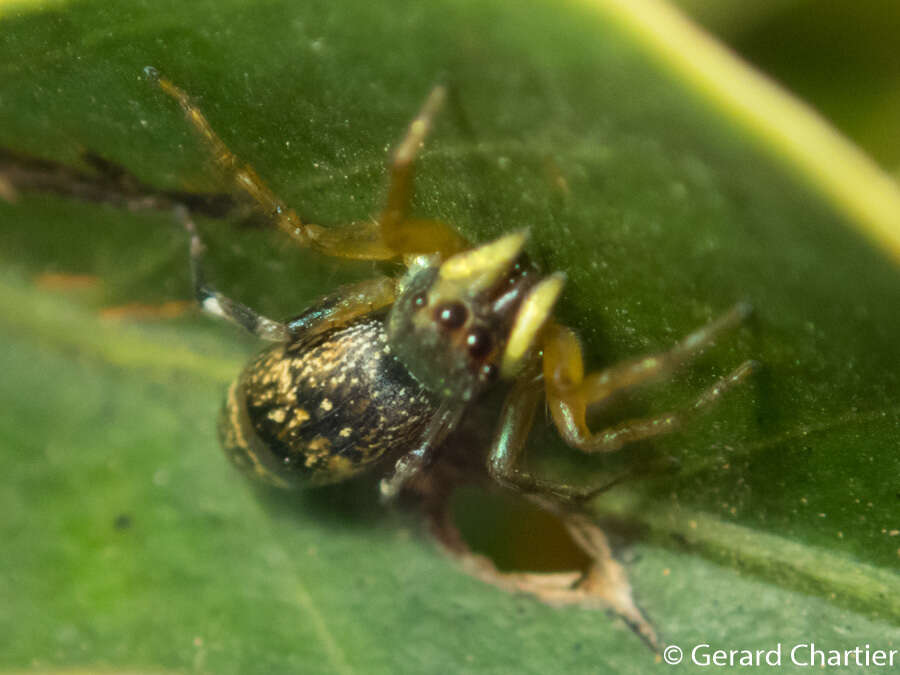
(321, 409)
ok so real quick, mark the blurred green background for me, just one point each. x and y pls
(840, 57)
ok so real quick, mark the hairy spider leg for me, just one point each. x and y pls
(393, 232)
(570, 392)
(508, 446)
(333, 310)
(390, 235)
(400, 231)
(242, 175)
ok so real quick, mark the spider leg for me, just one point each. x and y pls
(342, 306)
(418, 458)
(509, 444)
(402, 233)
(570, 392)
(390, 235)
(215, 303)
(393, 232)
(242, 175)
(335, 309)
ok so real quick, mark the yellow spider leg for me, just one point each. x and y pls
(243, 175)
(401, 233)
(570, 392)
(505, 457)
(392, 234)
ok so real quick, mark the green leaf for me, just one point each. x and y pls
(664, 179)
(840, 57)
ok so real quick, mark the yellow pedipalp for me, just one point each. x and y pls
(532, 315)
(481, 267)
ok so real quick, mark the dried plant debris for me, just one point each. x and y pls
(598, 582)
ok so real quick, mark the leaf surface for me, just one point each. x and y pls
(130, 543)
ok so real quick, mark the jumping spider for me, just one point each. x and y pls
(385, 369)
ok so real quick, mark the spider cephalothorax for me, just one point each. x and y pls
(461, 324)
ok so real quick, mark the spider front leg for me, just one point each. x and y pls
(242, 175)
(570, 392)
(388, 236)
(393, 232)
(401, 232)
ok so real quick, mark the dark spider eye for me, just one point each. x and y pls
(451, 315)
(420, 300)
(479, 343)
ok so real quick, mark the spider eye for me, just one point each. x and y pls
(479, 343)
(451, 315)
(420, 300)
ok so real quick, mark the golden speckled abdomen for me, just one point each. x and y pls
(322, 409)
